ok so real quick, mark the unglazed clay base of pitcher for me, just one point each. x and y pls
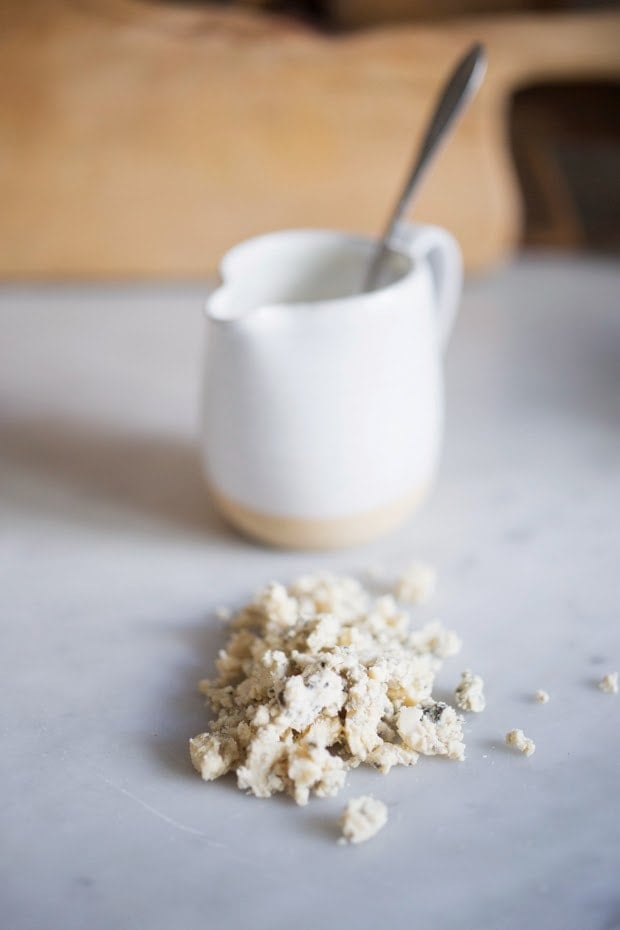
(304, 533)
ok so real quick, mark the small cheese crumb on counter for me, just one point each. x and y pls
(376, 575)
(417, 583)
(223, 613)
(469, 693)
(541, 697)
(362, 819)
(518, 740)
(318, 678)
(609, 683)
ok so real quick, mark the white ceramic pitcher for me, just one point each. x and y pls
(323, 407)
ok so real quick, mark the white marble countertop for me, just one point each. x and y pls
(111, 564)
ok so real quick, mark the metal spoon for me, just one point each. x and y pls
(458, 91)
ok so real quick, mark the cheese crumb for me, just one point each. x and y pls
(362, 819)
(609, 683)
(318, 678)
(433, 729)
(541, 697)
(417, 584)
(376, 575)
(518, 740)
(469, 693)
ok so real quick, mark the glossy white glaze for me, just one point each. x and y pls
(320, 402)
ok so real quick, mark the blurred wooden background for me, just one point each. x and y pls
(566, 148)
(142, 139)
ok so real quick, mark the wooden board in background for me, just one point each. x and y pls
(142, 140)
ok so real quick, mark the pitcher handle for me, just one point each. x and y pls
(441, 250)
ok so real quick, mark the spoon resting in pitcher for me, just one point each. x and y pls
(456, 94)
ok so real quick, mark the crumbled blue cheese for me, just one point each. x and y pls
(362, 819)
(609, 683)
(519, 741)
(318, 678)
(417, 583)
(541, 697)
(432, 728)
(469, 693)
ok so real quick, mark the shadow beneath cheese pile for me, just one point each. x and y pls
(183, 711)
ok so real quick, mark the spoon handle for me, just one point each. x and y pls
(457, 92)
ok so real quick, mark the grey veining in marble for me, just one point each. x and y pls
(112, 563)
